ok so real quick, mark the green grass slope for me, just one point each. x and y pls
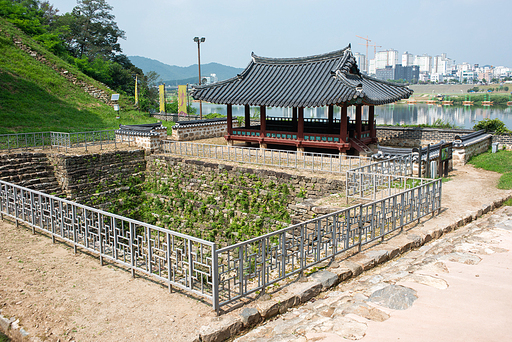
(35, 98)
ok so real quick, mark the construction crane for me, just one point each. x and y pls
(366, 59)
(375, 46)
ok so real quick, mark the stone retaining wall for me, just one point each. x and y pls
(503, 140)
(92, 178)
(95, 92)
(201, 131)
(301, 208)
(461, 155)
(418, 136)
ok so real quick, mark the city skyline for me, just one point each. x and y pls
(163, 30)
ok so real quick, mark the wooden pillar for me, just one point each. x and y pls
(300, 124)
(359, 122)
(263, 120)
(247, 116)
(343, 124)
(294, 119)
(371, 119)
(330, 118)
(230, 119)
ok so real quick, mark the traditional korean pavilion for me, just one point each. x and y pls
(327, 80)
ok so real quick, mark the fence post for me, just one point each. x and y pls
(100, 226)
(360, 227)
(74, 223)
(215, 279)
(2, 202)
(190, 264)
(132, 251)
(169, 273)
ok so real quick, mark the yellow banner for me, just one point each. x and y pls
(182, 99)
(161, 87)
(136, 92)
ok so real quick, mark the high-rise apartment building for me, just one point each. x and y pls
(424, 62)
(407, 59)
(441, 65)
(361, 61)
(386, 58)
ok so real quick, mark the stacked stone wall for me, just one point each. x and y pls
(301, 208)
(201, 131)
(504, 140)
(461, 155)
(95, 92)
(416, 136)
(93, 178)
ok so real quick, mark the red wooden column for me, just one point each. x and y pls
(359, 122)
(371, 119)
(230, 119)
(247, 116)
(330, 118)
(263, 120)
(300, 124)
(294, 119)
(343, 124)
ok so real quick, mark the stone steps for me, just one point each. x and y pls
(30, 170)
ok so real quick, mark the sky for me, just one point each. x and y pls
(471, 31)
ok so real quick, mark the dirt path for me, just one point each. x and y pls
(61, 296)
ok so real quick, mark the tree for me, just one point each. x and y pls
(94, 33)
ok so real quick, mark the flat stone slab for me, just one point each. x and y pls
(437, 283)
(326, 278)
(395, 297)
(463, 258)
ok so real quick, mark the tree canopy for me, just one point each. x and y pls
(88, 37)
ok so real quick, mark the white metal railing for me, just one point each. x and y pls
(382, 179)
(254, 265)
(61, 139)
(177, 259)
(280, 158)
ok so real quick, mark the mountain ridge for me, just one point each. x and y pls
(173, 74)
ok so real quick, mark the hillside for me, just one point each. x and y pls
(172, 74)
(41, 92)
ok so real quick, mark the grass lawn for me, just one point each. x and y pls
(498, 162)
(3, 338)
(34, 97)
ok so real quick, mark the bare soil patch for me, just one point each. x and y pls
(58, 295)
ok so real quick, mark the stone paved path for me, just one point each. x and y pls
(456, 288)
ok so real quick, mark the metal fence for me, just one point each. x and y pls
(25, 140)
(281, 158)
(382, 179)
(61, 140)
(228, 274)
(176, 259)
(254, 265)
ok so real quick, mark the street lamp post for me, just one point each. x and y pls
(199, 41)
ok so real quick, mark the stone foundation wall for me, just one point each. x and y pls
(417, 135)
(149, 142)
(503, 140)
(201, 131)
(461, 155)
(301, 208)
(93, 178)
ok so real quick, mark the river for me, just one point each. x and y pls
(463, 117)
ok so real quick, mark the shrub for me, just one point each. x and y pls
(492, 125)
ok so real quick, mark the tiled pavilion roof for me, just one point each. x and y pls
(328, 79)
